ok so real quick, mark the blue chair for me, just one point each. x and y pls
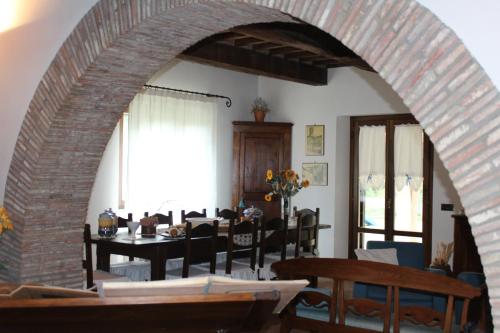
(477, 280)
(409, 255)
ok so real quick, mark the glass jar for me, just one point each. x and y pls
(107, 224)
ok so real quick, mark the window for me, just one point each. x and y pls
(168, 153)
(391, 182)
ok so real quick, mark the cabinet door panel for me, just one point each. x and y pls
(261, 154)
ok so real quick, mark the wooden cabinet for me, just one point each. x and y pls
(258, 147)
(465, 257)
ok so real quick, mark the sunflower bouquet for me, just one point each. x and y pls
(5, 222)
(285, 184)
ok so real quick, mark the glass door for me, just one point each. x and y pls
(391, 160)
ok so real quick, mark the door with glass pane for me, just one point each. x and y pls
(391, 181)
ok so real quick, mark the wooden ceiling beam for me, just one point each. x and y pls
(282, 50)
(230, 36)
(298, 54)
(277, 37)
(248, 61)
(246, 41)
(264, 46)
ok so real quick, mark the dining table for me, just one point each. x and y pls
(157, 249)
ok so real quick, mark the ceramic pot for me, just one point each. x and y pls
(259, 116)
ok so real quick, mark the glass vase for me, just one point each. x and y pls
(286, 206)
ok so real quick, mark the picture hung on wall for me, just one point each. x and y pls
(315, 140)
(316, 173)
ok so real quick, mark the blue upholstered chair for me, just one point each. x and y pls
(409, 255)
(476, 280)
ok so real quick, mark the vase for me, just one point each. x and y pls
(286, 206)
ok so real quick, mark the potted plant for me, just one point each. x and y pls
(259, 109)
(443, 255)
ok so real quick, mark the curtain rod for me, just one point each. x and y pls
(228, 100)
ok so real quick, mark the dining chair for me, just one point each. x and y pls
(122, 223)
(193, 213)
(241, 255)
(227, 214)
(197, 240)
(92, 277)
(165, 219)
(273, 245)
(307, 232)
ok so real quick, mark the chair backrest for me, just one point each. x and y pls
(227, 214)
(122, 222)
(242, 228)
(192, 213)
(409, 254)
(308, 224)
(165, 219)
(276, 241)
(87, 262)
(206, 231)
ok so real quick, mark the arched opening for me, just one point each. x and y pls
(65, 132)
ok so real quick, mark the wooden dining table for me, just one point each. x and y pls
(156, 249)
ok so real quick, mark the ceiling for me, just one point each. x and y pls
(296, 52)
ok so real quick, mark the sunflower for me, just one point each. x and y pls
(305, 183)
(269, 174)
(290, 174)
(268, 197)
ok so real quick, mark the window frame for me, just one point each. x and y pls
(390, 121)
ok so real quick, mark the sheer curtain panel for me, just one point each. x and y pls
(408, 156)
(171, 152)
(371, 157)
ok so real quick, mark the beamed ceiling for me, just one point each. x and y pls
(290, 51)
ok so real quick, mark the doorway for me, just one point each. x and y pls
(391, 164)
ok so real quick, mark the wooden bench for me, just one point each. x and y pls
(394, 278)
(237, 312)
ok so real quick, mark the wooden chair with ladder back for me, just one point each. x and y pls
(272, 245)
(307, 231)
(191, 214)
(197, 240)
(94, 277)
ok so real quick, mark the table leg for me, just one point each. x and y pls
(103, 259)
(158, 262)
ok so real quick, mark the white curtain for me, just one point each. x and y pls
(371, 157)
(171, 153)
(408, 156)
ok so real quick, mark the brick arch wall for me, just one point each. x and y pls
(118, 45)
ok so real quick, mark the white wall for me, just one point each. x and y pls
(476, 23)
(349, 92)
(242, 88)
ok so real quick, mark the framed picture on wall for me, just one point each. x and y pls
(315, 140)
(315, 173)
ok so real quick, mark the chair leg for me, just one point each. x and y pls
(284, 328)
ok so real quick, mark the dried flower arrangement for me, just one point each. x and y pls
(443, 254)
(259, 105)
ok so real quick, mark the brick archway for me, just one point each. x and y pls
(119, 45)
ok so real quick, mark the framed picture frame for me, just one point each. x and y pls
(315, 140)
(315, 173)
